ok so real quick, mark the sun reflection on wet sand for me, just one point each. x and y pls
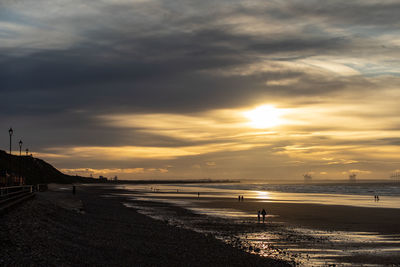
(179, 191)
(263, 195)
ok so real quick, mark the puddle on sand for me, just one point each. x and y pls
(302, 247)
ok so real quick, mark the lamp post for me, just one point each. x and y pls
(20, 147)
(20, 161)
(10, 132)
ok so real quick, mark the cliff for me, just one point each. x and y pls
(35, 170)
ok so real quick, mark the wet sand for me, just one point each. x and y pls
(88, 229)
(305, 234)
(322, 217)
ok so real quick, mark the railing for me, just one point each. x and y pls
(9, 196)
(6, 192)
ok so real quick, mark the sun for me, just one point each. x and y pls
(265, 116)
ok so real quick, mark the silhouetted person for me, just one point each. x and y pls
(258, 216)
(242, 198)
(263, 213)
(198, 194)
(239, 198)
(377, 198)
(73, 189)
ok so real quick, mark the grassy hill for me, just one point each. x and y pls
(36, 170)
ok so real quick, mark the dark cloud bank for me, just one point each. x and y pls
(170, 58)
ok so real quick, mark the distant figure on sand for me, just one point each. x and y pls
(242, 198)
(239, 198)
(263, 213)
(259, 216)
(198, 195)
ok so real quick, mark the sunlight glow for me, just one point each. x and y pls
(264, 116)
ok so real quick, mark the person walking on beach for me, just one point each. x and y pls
(259, 216)
(198, 194)
(263, 213)
(239, 198)
(242, 198)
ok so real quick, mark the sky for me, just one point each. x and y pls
(153, 89)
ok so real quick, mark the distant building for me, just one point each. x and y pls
(10, 179)
(352, 177)
(307, 177)
(395, 176)
(102, 178)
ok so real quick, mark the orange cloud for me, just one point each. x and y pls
(113, 171)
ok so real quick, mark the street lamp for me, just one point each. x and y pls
(10, 132)
(20, 147)
(20, 163)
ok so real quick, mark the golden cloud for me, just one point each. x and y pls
(113, 171)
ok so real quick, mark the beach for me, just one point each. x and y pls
(321, 217)
(90, 229)
(360, 232)
(130, 225)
